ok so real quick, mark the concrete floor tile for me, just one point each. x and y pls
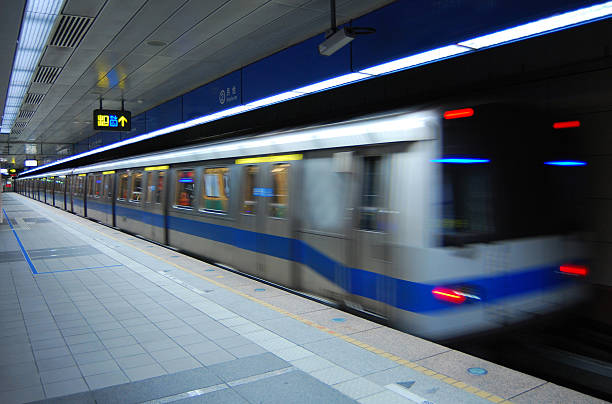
(51, 352)
(55, 363)
(22, 395)
(129, 350)
(311, 363)
(549, 393)
(87, 347)
(333, 375)
(119, 342)
(168, 354)
(158, 345)
(57, 375)
(95, 368)
(358, 388)
(455, 364)
(214, 357)
(243, 351)
(145, 372)
(48, 343)
(385, 397)
(65, 387)
(106, 379)
(135, 361)
(91, 357)
(177, 365)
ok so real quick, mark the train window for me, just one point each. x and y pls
(467, 204)
(123, 186)
(90, 185)
(136, 193)
(150, 187)
(370, 193)
(185, 188)
(98, 186)
(215, 192)
(280, 190)
(108, 186)
(160, 186)
(249, 204)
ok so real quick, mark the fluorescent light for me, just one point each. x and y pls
(541, 26)
(415, 60)
(461, 161)
(566, 163)
(334, 82)
(274, 99)
(36, 26)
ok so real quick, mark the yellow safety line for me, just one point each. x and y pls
(412, 365)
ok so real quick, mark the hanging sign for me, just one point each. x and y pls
(112, 120)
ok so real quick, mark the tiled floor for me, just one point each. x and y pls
(98, 315)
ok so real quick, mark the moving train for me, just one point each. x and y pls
(444, 223)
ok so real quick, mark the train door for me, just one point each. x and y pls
(108, 183)
(155, 205)
(267, 211)
(370, 249)
(69, 193)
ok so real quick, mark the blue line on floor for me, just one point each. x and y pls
(23, 250)
(78, 269)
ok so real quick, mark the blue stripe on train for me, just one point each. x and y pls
(403, 294)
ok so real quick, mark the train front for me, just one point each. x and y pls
(507, 224)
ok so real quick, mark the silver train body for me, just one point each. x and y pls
(354, 212)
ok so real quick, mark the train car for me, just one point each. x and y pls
(445, 227)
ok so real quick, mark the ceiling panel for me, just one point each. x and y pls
(203, 41)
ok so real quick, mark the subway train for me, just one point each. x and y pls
(445, 224)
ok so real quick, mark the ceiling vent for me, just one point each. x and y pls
(26, 114)
(70, 31)
(33, 98)
(47, 74)
(19, 125)
(16, 131)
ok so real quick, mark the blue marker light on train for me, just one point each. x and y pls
(461, 161)
(185, 180)
(565, 163)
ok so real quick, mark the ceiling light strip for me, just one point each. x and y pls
(540, 27)
(36, 26)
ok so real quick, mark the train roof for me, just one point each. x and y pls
(396, 127)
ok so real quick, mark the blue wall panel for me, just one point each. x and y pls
(292, 68)
(138, 126)
(81, 146)
(220, 94)
(166, 114)
(406, 27)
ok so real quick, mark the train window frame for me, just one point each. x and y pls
(378, 197)
(90, 185)
(98, 189)
(226, 189)
(148, 197)
(193, 199)
(123, 175)
(245, 191)
(272, 205)
(107, 186)
(159, 197)
(133, 176)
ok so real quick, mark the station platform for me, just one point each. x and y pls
(89, 314)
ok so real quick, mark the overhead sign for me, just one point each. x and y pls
(112, 120)
(30, 163)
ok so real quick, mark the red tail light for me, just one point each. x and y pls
(567, 124)
(459, 113)
(448, 295)
(570, 269)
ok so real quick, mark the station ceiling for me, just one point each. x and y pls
(146, 52)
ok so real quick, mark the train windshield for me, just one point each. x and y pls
(513, 194)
